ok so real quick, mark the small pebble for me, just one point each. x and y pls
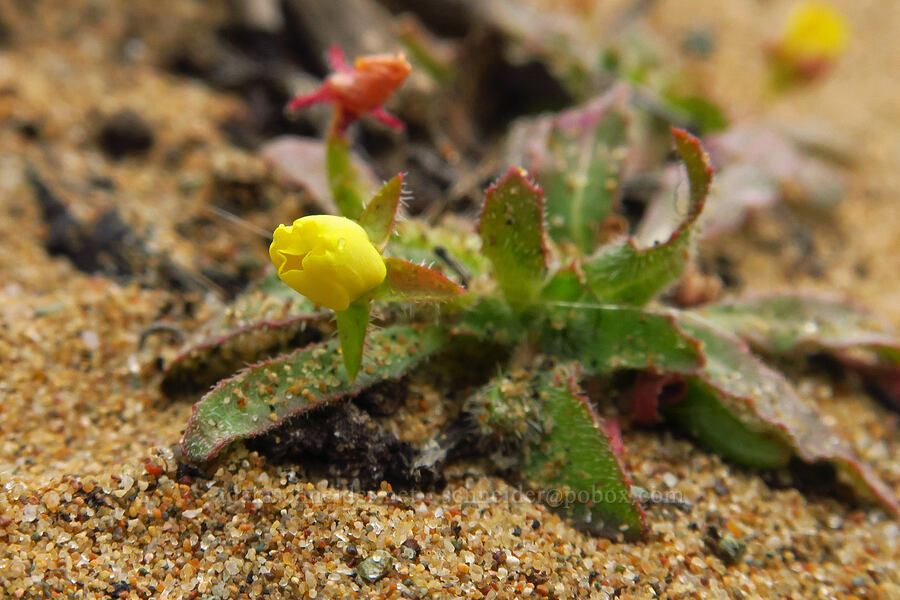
(409, 549)
(232, 566)
(29, 513)
(730, 549)
(375, 566)
(90, 339)
(51, 501)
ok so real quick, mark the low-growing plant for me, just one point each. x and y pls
(554, 294)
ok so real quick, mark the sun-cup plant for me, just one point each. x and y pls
(564, 299)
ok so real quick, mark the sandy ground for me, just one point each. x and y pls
(92, 505)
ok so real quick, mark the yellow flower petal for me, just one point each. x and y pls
(328, 259)
(814, 32)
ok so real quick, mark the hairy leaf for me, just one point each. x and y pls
(452, 240)
(736, 393)
(268, 319)
(567, 456)
(606, 338)
(575, 462)
(792, 323)
(265, 394)
(512, 236)
(380, 213)
(409, 282)
(625, 273)
(781, 324)
(490, 320)
(577, 158)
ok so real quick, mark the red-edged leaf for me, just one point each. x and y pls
(513, 236)
(569, 455)
(406, 281)
(634, 271)
(379, 215)
(699, 171)
(750, 413)
(264, 395)
(266, 320)
(795, 323)
(577, 156)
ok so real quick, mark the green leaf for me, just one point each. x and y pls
(798, 323)
(490, 320)
(409, 282)
(700, 112)
(624, 273)
(566, 454)
(351, 325)
(702, 414)
(577, 157)
(379, 215)
(262, 396)
(348, 191)
(266, 320)
(606, 338)
(575, 462)
(419, 242)
(566, 285)
(781, 324)
(512, 236)
(769, 410)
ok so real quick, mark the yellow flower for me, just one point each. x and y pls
(328, 259)
(815, 32)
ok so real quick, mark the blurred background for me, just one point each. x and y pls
(149, 122)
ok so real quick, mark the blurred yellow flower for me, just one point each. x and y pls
(328, 259)
(815, 32)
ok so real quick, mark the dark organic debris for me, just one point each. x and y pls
(119, 589)
(108, 246)
(125, 133)
(818, 480)
(186, 472)
(349, 446)
(382, 399)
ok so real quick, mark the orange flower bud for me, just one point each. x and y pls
(359, 90)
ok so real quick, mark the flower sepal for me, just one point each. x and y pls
(408, 282)
(352, 324)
